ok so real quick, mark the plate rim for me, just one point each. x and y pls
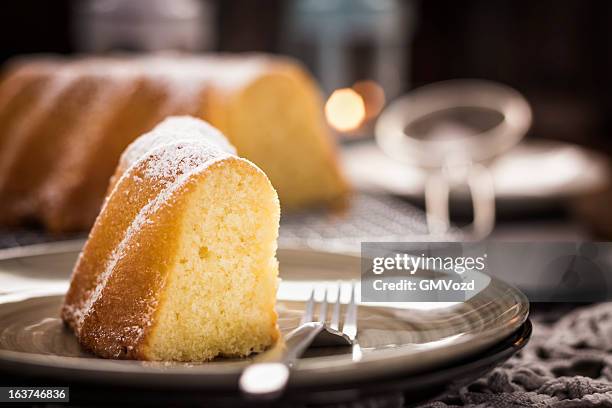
(440, 379)
(386, 362)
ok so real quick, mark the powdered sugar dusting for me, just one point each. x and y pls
(184, 71)
(168, 158)
(175, 129)
(184, 77)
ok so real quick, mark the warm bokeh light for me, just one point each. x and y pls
(345, 110)
(373, 97)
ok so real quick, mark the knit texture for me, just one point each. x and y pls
(567, 364)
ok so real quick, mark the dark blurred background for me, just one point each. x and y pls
(557, 53)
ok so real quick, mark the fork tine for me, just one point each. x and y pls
(350, 319)
(335, 319)
(308, 311)
(323, 307)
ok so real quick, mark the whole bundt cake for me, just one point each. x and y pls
(180, 264)
(64, 123)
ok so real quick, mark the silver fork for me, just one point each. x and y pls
(267, 377)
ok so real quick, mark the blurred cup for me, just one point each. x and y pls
(143, 25)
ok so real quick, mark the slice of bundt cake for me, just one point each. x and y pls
(180, 264)
(65, 121)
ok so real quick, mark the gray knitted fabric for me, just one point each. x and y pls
(567, 364)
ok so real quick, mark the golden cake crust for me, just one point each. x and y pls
(119, 279)
(54, 166)
(116, 325)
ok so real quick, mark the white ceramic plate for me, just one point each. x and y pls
(533, 174)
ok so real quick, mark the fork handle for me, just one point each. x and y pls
(268, 376)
